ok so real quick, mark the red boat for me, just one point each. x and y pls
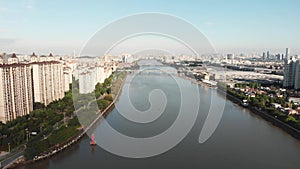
(93, 142)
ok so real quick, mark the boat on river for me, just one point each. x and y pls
(93, 142)
(245, 103)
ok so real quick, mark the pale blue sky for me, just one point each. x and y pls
(231, 25)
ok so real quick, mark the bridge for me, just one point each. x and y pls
(152, 71)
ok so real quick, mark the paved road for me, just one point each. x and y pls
(11, 159)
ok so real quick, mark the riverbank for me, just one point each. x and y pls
(276, 122)
(74, 140)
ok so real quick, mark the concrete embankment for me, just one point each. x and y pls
(276, 122)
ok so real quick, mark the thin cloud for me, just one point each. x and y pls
(3, 9)
(3, 30)
(29, 7)
(29, 4)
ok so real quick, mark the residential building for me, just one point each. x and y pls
(67, 78)
(297, 74)
(86, 82)
(48, 79)
(16, 89)
(289, 72)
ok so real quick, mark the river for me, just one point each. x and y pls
(242, 140)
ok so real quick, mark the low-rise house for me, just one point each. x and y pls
(292, 112)
(279, 95)
(283, 90)
(294, 99)
(276, 105)
(298, 110)
(252, 95)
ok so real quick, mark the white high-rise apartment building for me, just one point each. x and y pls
(100, 76)
(297, 75)
(48, 79)
(86, 82)
(67, 78)
(291, 72)
(16, 89)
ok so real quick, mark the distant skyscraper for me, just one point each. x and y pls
(286, 53)
(291, 71)
(297, 75)
(264, 56)
(15, 89)
(268, 55)
(278, 57)
(230, 57)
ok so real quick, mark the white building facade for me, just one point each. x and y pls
(16, 89)
(289, 72)
(48, 80)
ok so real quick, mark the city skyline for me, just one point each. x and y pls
(44, 27)
(125, 84)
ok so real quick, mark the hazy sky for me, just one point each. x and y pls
(63, 26)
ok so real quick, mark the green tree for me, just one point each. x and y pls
(290, 119)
